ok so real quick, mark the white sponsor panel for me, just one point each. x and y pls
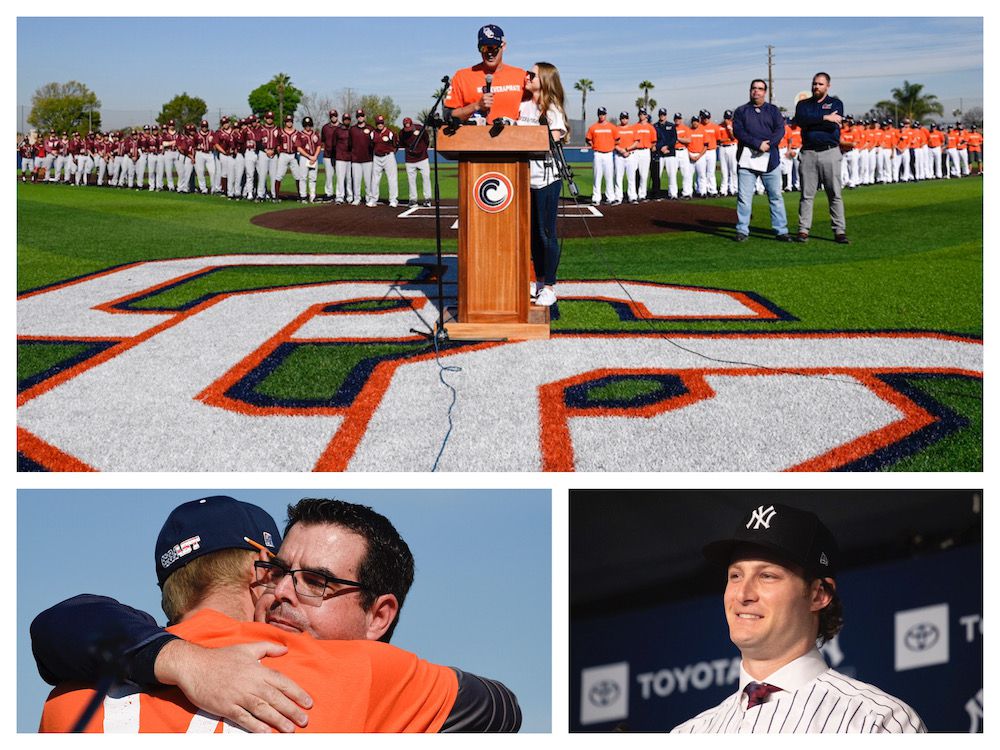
(922, 637)
(604, 693)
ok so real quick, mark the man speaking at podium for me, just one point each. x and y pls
(471, 93)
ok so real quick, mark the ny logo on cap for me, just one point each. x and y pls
(823, 559)
(762, 517)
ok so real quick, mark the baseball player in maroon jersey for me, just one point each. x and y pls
(249, 155)
(309, 147)
(75, 155)
(342, 157)
(223, 155)
(49, 157)
(185, 158)
(361, 157)
(132, 151)
(327, 135)
(204, 157)
(64, 159)
(121, 148)
(235, 187)
(27, 150)
(384, 145)
(415, 141)
(288, 150)
(268, 136)
(143, 157)
(154, 159)
(101, 154)
(169, 145)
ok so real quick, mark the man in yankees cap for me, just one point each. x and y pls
(472, 93)
(781, 602)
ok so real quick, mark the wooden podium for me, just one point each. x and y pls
(494, 232)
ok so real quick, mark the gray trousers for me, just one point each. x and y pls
(816, 167)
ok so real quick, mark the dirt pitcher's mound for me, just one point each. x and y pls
(574, 220)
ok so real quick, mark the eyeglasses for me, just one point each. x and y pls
(489, 49)
(310, 586)
(531, 75)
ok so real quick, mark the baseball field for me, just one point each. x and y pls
(168, 332)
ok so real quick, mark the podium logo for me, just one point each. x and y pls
(604, 693)
(493, 192)
(922, 637)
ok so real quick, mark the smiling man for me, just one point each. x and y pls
(468, 93)
(781, 603)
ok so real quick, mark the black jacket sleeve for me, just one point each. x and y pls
(482, 705)
(83, 638)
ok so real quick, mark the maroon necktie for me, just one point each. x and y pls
(758, 692)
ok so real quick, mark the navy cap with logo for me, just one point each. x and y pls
(794, 535)
(602, 110)
(678, 116)
(623, 115)
(662, 112)
(490, 35)
(208, 525)
(728, 114)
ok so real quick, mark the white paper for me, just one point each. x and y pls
(755, 160)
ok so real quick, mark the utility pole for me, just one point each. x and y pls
(770, 76)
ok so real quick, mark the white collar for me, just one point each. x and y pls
(793, 675)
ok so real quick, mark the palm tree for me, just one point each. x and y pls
(281, 82)
(645, 86)
(583, 86)
(907, 101)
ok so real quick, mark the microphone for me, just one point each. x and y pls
(489, 83)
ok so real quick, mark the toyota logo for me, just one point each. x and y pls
(921, 636)
(604, 693)
(493, 192)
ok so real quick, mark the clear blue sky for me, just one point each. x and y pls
(481, 598)
(136, 64)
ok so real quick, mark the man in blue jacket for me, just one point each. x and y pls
(819, 159)
(759, 128)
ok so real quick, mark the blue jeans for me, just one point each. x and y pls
(746, 182)
(544, 243)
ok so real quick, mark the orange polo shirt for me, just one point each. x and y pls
(602, 136)
(711, 131)
(507, 87)
(697, 144)
(646, 134)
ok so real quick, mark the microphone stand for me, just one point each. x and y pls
(559, 157)
(430, 125)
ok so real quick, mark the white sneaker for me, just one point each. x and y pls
(533, 290)
(393, 204)
(546, 297)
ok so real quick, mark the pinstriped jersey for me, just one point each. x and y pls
(813, 699)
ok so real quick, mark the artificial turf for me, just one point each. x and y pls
(915, 262)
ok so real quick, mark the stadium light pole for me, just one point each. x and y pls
(770, 78)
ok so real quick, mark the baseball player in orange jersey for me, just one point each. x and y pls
(975, 140)
(625, 160)
(936, 140)
(887, 154)
(684, 157)
(790, 146)
(851, 146)
(963, 148)
(727, 155)
(697, 148)
(467, 95)
(903, 152)
(711, 131)
(646, 137)
(920, 151)
(601, 137)
(951, 145)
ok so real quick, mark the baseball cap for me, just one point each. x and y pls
(407, 121)
(208, 525)
(623, 115)
(360, 113)
(171, 123)
(662, 111)
(642, 111)
(678, 116)
(727, 114)
(795, 535)
(602, 110)
(490, 35)
(269, 115)
(333, 113)
(307, 122)
(379, 118)
(706, 114)
(289, 118)
(204, 123)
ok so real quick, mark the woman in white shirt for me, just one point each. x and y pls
(546, 90)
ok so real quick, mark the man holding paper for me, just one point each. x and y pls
(759, 127)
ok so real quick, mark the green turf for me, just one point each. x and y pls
(623, 389)
(315, 373)
(915, 262)
(37, 357)
(962, 450)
